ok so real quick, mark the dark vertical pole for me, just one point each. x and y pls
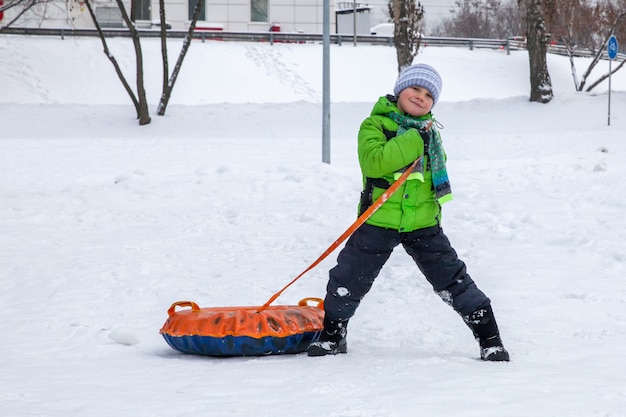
(326, 83)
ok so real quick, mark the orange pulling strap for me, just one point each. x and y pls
(358, 222)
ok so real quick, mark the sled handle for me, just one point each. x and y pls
(305, 302)
(172, 310)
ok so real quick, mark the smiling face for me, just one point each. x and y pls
(415, 101)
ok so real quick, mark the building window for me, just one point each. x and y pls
(109, 17)
(142, 10)
(258, 10)
(192, 7)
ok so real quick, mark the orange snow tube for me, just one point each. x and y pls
(247, 331)
(243, 331)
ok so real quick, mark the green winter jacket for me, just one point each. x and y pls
(413, 206)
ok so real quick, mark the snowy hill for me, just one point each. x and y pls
(225, 200)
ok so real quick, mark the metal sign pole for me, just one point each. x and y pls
(609, 116)
(326, 83)
(611, 49)
(354, 21)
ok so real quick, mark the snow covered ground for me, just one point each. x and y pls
(104, 224)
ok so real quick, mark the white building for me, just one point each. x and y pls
(228, 15)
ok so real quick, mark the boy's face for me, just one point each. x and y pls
(415, 101)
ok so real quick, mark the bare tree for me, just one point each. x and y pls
(578, 26)
(537, 43)
(617, 8)
(580, 85)
(168, 85)
(408, 19)
(482, 19)
(139, 100)
(509, 20)
(22, 6)
(575, 23)
(581, 25)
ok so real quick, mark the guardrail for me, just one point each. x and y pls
(584, 53)
(288, 37)
(271, 37)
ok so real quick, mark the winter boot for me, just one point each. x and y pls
(483, 324)
(332, 341)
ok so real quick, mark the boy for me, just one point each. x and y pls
(400, 130)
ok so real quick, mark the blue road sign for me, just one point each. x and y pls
(612, 48)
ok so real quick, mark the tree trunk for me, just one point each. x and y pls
(403, 54)
(143, 112)
(537, 41)
(168, 86)
(407, 16)
(111, 58)
(164, 58)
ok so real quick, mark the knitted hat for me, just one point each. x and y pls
(419, 75)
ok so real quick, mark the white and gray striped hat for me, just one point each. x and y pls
(419, 75)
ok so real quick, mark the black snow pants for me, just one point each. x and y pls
(367, 250)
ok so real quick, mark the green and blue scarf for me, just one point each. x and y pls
(431, 136)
